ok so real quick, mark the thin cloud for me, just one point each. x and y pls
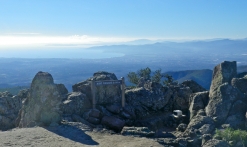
(22, 33)
(75, 40)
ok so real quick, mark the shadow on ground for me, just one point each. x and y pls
(73, 133)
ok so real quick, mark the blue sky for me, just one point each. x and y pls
(91, 21)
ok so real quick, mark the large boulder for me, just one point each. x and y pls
(76, 103)
(221, 101)
(197, 124)
(9, 108)
(42, 106)
(199, 101)
(236, 117)
(240, 83)
(146, 101)
(193, 86)
(105, 94)
(223, 73)
(180, 98)
(113, 123)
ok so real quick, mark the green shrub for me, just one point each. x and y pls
(230, 134)
(145, 73)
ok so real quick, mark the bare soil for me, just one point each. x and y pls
(71, 134)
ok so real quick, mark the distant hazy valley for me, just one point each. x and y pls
(187, 60)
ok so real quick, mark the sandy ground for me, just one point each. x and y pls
(70, 135)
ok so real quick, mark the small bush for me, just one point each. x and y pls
(230, 134)
(147, 75)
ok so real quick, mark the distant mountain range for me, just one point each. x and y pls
(202, 77)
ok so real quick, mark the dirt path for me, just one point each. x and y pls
(68, 136)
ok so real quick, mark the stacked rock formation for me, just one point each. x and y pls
(226, 102)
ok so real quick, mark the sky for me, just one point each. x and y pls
(90, 22)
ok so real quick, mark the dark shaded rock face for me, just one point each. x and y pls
(23, 94)
(236, 117)
(108, 94)
(142, 98)
(216, 143)
(9, 108)
(240, 83)
(76, 103)
(193, 86)
(113, 123)
(199, 101)
(42, 105)
(223, 73)
(197, 124)
(146, 102)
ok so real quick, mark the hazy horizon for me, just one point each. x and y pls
(40, 24)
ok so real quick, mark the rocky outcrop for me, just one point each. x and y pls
(76, 103)
(199, 101)
(221, 101)
(199, 124)
(9, 108)
(223, 73)
(193, 86)
(224, 98)
(106, 94)
(236, 117)
(240, 83)
(147, 101)
(42, 106)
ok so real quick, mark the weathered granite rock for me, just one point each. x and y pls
(197, 122)
(168, 142)
(207, 128)
(240, 83)
(181, 96)
(205, 138)
(9, 108)
(76, 103)
(199, 101)
(193, 86)
(113, 123)
(182, 142)
(42, 107)
(137, 131)
(141, 82)
(114, 108)
(216, 143)
(23, 94)
(236, 117)
(143, 99)
(221, 101)
(106, 94)
(93, 116)
(181, 127)
(223, 73)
